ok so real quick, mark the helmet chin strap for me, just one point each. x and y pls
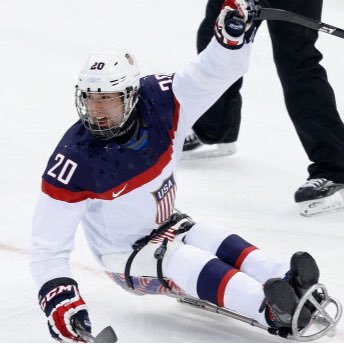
(125, 133)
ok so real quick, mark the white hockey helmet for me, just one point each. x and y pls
(105, 77)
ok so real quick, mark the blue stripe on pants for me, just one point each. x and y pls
(210, 278)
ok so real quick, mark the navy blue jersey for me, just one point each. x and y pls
(84, 167)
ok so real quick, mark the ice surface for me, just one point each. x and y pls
(43, 45)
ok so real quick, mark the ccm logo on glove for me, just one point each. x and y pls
(58, 290)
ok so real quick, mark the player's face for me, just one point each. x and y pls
(106, 110)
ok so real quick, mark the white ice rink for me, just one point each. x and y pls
(42, 47)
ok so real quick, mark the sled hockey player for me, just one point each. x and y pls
(114, 171)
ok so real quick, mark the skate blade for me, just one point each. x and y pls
(210, 151)
(327, 205)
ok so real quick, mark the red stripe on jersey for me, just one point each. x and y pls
(222, 287)
(127, 186)
(243, 256)
(175, 118)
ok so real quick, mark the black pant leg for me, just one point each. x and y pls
(206, 29)
(221, 123)
(308, 95)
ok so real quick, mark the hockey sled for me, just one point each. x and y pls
(326, 316)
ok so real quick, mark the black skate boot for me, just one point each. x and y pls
(280, 304)
(303, 274)
(194, 149)
(320, 196)
(191, 142)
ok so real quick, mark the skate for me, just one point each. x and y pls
(194, 149)
(303, 274)
(191, 142)
(280, 305)
(320, 196)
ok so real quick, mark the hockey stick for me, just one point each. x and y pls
(107, 335)
(261, 13)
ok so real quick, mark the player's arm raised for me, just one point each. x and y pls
(224, 61)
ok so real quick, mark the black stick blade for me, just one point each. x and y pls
(107, 335)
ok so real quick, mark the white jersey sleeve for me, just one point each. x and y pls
(54, 226)
(202, 82)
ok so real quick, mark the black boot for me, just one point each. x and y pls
(315, 189)
(194, 149)
(320, 196)
(191, 142)
(303, 274)
(280, 304)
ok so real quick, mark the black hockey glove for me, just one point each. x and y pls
(65, 309)
(234, 26)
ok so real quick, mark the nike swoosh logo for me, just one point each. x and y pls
(114, 195)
